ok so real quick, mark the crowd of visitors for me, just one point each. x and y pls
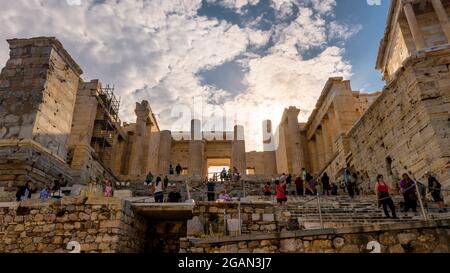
(305, 184)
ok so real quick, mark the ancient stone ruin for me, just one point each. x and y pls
(53, 123)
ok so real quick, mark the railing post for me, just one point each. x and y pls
(320, 210)
(420, 201)
(239, 216)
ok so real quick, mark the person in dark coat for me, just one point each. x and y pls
(24, 192)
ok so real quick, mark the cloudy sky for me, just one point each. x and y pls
(246, 60)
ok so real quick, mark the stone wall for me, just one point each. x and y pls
(21, 160)
(38, 89)
(262, 217)
(421, 237)
(407, 129)
(98, 224)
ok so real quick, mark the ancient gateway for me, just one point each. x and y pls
(52, 122)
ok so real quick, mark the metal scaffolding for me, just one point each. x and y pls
(106, 120)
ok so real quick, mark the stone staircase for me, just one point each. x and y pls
(340, 211)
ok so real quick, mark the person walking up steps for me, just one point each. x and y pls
(158, 190)
(408, 190)
(348, 183)
(384, 198)
(280, 192)
(434, 188)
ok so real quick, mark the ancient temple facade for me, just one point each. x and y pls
(53, 122)
(403, 129)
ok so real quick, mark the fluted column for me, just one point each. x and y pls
(142, 113)
(313, 154)
(443, 17)
(414, 26)
(238, 159)
(320, 150)
(196, 149)
(293, 129)
(164, 154)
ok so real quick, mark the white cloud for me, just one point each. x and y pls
(154, 49)
(234, 4)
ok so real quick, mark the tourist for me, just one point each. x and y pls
(223, 175)
(158, 190)
(267, 191)
(170, 169)
(434, 188)
(334, 189)
(224, 197)
(348, 183)
(211, 190)
(178, 169)
(326, 184)
(174, 196)
(280, 192)
(303, 174)
(408, 189)
(236, 174)
(24, 192)
(166, 182)
(107, 189)
(149, 178)
(310, 185)
(230, 174)
(44, 194)
(299, 185)
(55, 189)
(383, 197)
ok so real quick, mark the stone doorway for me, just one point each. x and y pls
(215, 166)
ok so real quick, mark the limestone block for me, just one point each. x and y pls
(195, 226)
(350, 249)
(405, 238)
(123, 193)
(256, 216)
(396, 249)
(290, 245)
(268, 217)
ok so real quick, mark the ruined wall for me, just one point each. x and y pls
(281, 154)
(21, 160)
(154, 153)
(255, 161)
(209, 218)
(407, 128)
(37, 93)
(433, 237)
(179, 154)
(98, 224)
(403, 45)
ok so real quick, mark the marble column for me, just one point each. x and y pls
(146, 148)
(333, 129)
(118, 154)
(320, 151)
(293, 129)
(238, 159)
(142, 113)
(443, 18)
(165, 150)
(327, 138)
(196, 149)
(414, 26)
(313, 155)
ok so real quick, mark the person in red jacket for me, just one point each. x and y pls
(281, 192)
(383, 197)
